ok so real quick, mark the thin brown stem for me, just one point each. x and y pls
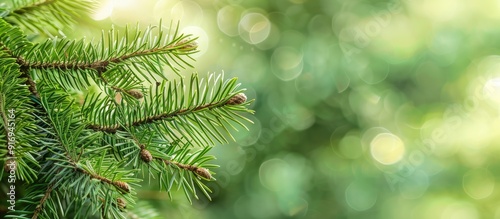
(39, 207)
(31, 83)
(105, 81)
(24, 70)
(118, 184)
(99, 65)
(203, 172)
(3, 209)
(152, 119)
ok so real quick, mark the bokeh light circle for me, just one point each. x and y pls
(103, 10)
(374, 73)
(252, 67)
(350, 146)
(298, 117)
(294, 208)
(478, 183)
(129, 11)
(387, 148)
(287, 63)
(272, 39)
(250, 137)
(360, 196)
(228, 19)
(273, 174)
(491, 90)
(254, 27)
(460, 210)
(187, 11)
(260, 200)
(415, 185)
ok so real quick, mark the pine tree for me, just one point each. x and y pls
(83, 122)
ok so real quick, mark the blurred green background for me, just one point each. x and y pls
(365, 109)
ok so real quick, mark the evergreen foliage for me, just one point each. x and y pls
(83, 157)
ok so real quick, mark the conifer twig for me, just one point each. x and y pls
(39, 207)
(31, 84)
(203, 172)
(101, 65)
(152, 119)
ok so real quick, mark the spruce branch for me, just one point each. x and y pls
(59, 118)
(158, 117)
(12, 40)
(56, 61)
(119, 203)
(122, 186)
(45, 16)
(186, 169)
(17, 122)
(165, 160)
(84, 160)
(61, 148)
(208, 105)
(115, 59)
